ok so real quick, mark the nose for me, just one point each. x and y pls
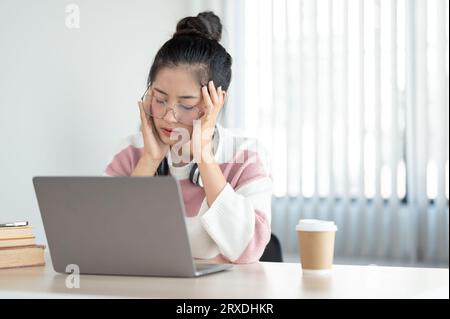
(170, 115)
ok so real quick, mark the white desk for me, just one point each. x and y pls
(260, 280)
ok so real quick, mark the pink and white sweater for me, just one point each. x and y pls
(236, 228)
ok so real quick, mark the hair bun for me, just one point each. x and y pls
(205, 24)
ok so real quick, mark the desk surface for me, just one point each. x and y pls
(259, 280)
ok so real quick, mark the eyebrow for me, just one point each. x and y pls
(180, 97)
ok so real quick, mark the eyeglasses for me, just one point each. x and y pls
(157, 107)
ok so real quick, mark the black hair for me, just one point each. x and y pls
(196, 45)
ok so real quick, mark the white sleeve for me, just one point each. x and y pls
(230, 221)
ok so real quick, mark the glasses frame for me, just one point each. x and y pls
(200, 113)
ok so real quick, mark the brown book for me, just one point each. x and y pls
(16, 232)
(23, 256)
(14, 242)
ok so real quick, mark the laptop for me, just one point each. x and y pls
(117, 226)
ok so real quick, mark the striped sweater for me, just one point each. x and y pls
(236, 227)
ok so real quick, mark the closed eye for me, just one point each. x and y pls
(160, 101)
(186, 107)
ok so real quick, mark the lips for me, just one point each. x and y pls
(166, 131)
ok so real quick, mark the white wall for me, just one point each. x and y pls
(67, 96)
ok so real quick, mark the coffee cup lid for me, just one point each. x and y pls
(316, 225)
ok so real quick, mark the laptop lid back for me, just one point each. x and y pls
(115, 225)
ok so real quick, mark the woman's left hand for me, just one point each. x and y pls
(204, 127)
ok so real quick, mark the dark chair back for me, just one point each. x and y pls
(273, 250)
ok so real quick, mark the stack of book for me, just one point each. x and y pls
(18, 247)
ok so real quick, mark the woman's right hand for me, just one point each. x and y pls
(154, 148)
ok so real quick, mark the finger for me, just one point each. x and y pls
(219, 104)
(208, 103)
(221, 96)
(213, 92)
(142, 113)
(148, 100)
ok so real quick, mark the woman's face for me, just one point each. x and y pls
(175, 86)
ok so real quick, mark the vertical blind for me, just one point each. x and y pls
(350, 97)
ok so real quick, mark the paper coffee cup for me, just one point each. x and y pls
(316, 245)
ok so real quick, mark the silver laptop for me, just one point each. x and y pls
(117, 226)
